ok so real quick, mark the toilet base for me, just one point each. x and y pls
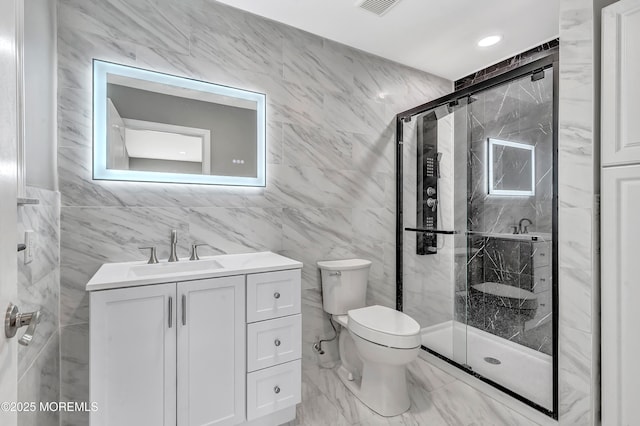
(383, 390)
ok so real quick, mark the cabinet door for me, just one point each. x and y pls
(133, 356)
(620, 291)
(211, 352)
(620, 88)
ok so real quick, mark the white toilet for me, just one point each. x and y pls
(380, 343)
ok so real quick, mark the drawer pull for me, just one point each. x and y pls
(277, 342)
(543, 279)
(276, 295)
(276, 389)
(542, 254)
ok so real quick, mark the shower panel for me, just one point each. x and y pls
(477, 227)
(427, 183)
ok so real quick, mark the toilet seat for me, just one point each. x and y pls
(385, 326)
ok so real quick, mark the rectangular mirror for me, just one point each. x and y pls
(511, 168)
(154, 127)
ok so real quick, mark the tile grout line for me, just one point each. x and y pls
(37, 356)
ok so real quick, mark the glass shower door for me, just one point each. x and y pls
(434, 220)
(510, 227)
(478, 221)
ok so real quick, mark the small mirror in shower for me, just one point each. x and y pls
(511, 168)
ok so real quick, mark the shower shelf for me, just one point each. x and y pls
(432, 231)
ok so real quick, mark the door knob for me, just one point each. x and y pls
(13, 320)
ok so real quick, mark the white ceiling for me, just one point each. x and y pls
(437, 36)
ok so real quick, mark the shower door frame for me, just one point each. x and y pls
(549, 61)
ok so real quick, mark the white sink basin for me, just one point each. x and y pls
(174, 268)
(127, 274)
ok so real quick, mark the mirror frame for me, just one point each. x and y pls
(100, 170)
(491, 142)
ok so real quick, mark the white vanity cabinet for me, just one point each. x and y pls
(186, 353)
(274, 342)
(211, 351)
(168, 351)
(133, 356)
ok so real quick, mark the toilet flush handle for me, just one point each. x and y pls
(335, 274)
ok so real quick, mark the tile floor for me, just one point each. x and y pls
(437, 398)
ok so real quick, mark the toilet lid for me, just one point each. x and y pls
(385, 326)
(343, 265)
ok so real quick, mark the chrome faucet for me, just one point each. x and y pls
(174, 242)
(524, 229)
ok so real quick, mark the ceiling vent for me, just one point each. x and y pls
(379, 7)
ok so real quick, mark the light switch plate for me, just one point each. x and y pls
(30, 242)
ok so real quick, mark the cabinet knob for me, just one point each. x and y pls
(276, 295)
(276, 389)
(277, 342)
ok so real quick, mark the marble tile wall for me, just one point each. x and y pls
(523, 320)
(578, 221)
(39, 288)
(516, 61)
(330, 176)
(522, 112)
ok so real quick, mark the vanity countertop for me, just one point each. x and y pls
(129, 274)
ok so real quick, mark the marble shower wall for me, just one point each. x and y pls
(522, 112)
(330, 176)
(509, 64)
(39, 288)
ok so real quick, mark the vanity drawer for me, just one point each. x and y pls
(273, 389)
(273, 295)
(274, 342)
(541, 255)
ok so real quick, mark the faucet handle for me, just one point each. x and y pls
(516, 229)
(194, 251)
(153, 258)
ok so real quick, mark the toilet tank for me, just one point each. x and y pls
(344, 284)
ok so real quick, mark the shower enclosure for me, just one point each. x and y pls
(477, 229)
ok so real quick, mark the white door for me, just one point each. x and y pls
(620, 207)
(620, 291)
(620, 88)
(8, 221)
(133, 356)
(211, 352)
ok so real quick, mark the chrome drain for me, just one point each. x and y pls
(491, 360)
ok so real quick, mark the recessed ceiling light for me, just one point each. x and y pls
(489, 41)
(183, 153)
